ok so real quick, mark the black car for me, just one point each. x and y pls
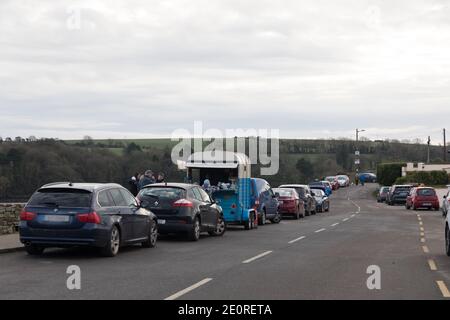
(398, 194)
(183, 208)
(106, 216)
(304, 192)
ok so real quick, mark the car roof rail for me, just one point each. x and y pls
(55, 183)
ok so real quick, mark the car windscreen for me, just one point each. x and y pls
(426, 192)
(165, 193)
(402, 189)
(330, 179)
(318, 192)
(61, 198)
(283, 192)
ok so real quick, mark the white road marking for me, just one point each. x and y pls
(443, 288)
(421, 223)
(353, 215)
(422, 234)
(359, 208)
(425, 249)
(336, 224)
(432, 265)
(346, 219)
(423, 240)
(189, 289)
(320, 230)
(296, 240)
(257, 257)
(422, 229)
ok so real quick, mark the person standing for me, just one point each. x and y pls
(133, 182)
(161, 178)
(146, 179)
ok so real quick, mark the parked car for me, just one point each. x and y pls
(322, 200)
(368, 177)
(344, 181)
(305, 195)
(398, 194)
(290, 203)
(334, 182)
(422, 197)
(326, 187)
(264, 201)
(183, 209)
(106, 216)
(446, 203)
(382, 194)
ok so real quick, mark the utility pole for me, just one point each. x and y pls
(445, 146)
(357, 152)
(428, 152)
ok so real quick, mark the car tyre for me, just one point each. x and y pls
(277, 219)
(263, 219)
(34, 250)
(152, 236)
(447, 240)
(221, 227)
(194, 233)
(112, 247)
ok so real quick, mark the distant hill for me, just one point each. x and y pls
(24, 166)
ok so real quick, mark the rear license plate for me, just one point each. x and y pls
(161, 221)
(427, 204)
(55, 218)
(280, 202)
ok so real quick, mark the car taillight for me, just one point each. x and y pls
(183, 203)
(233, 206)
(27, 216)
(92, 217)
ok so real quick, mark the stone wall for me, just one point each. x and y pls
(9, 217)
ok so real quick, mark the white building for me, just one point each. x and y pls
(412, 167)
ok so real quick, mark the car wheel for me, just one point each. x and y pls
(277, 219)
(113, 244)
(152, 236)
(34, 250)
(328, 208)
(263, 219)
(220, 228)
(447, 240)
(194, 233)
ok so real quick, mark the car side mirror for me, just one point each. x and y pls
(144, 204)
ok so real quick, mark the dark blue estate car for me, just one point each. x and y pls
(106, 216)
(264, 201)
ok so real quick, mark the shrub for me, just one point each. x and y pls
(388, 173)
(427, 178)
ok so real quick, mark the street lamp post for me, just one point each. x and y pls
(357, 152)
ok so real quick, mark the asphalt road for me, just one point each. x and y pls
(320, 257)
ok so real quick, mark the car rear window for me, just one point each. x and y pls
(402, 189)
(283, 192)
(426, 192)
(63, 198)
(162, 193)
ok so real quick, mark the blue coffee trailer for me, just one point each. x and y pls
(227, 177)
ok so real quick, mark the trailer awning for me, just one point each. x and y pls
(216, 165)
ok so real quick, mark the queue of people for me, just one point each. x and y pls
(139, 180)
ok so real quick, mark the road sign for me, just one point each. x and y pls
(357, 153)
(357, 161)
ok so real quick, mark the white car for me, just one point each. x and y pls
(344, 181)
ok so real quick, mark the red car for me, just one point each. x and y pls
(290, 202)
(333, 181)
(422, 197)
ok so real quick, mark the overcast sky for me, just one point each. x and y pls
(137, 69)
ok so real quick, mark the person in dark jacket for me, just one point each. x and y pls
(133, 182)
(161, 178)
(146, 179)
